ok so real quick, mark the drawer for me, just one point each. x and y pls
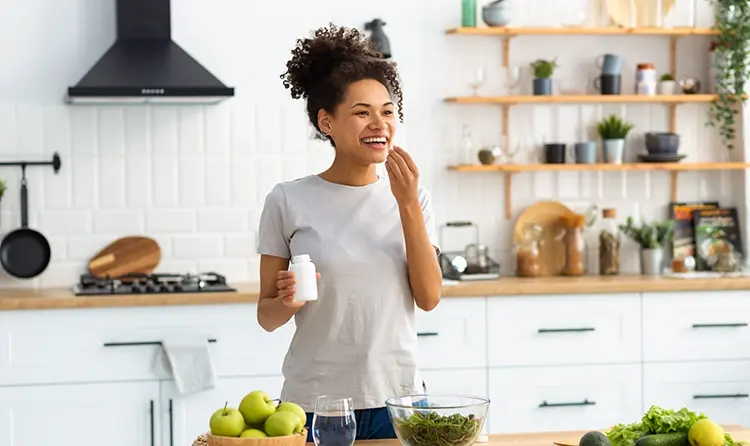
(696, 326)
(453, 335)
(564, 329)
(542, 399)
(59, 346)
(721, 390)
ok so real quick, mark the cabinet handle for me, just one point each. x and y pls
(138, 343)
(729, 324)
(715, 396)
(427, 333)
(565, 330)
(151, 414)
(585, 402)
(171, 425)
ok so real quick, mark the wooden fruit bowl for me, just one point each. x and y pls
(289, 440)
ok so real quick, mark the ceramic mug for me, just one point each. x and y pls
(585, 152)
(609, 64)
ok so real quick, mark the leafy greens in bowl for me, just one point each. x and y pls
(437, 420)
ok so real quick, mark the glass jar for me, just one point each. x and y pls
(528, 253)
(609, 244)
(574, 243)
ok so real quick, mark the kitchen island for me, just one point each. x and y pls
(564, 438)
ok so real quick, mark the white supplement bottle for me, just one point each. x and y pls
(305, 275)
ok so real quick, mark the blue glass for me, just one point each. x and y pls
(334, 423)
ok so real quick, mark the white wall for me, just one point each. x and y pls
(195, 177)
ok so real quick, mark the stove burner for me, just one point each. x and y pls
(158, 283)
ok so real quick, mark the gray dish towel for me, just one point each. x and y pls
(190, 362)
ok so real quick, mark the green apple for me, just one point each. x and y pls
(253, 433)
(256, 406)
(283, 423)
(294, 408)
(227, 422)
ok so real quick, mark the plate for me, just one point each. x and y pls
(648, 158)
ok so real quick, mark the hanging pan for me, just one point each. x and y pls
(24, 252)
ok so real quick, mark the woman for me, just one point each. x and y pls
(371, 238)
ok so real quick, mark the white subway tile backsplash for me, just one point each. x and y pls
(191, 132)
(111, 135)
(112, 181)
(223, 221)
(240, 246)
(218, 178)
(70, 222)
(116, 222)
(165, 180)
(170, 221)
(139, 181)
(197, 246)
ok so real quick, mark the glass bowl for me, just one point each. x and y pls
(445, 420)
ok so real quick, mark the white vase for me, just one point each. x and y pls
(667, 87)
(652, 261)
(613, 150)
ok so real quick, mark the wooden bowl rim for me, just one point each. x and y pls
(304, 432)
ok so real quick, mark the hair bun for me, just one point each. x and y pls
(316, 58)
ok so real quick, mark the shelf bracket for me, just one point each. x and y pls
(673, 185)
(508, 195)
(505, 121)
(506, 52)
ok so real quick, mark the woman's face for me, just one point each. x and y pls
(364, 124)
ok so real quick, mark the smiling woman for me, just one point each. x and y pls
(371, 238)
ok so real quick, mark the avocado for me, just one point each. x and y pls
(594, 438)
(670, 439)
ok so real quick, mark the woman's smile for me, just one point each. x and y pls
(375, 142)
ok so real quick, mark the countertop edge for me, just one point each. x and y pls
(63, 298)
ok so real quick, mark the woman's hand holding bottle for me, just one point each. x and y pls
(286, 285)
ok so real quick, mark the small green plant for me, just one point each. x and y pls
(649, 236)
(2, 187)
(613, 127)
(544, 68)
(667, 77)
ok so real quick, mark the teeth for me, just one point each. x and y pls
(374, 140)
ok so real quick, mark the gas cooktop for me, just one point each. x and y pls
(159, 283)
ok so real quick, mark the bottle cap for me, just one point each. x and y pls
(300, 258)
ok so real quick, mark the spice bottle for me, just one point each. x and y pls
(645, 79)
(609, 244)
(574, 243)
(528, 254)
(305, 277)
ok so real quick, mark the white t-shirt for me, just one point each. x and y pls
(359, 338)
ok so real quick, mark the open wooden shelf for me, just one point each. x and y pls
(582, 31)
(584, 99)
(673, 168)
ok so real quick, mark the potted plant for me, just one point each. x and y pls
(667, 84)
(730, 68)
(651, 238)
(543, 71)
(613, 131)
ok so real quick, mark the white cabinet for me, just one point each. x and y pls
(720, 389)
(117, 414)
(453, 335)
(564, 329)
(696, 326)
(188, 416)
(539, 399)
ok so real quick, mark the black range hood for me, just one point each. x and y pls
(144, 65)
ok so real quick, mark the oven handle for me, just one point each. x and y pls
(139, 343)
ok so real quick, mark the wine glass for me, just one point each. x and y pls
(513, 79)
(509, 148)
(476, 79)
(333, 422)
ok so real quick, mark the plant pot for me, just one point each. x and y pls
(652, 261)
(613, 150)
(667, 87)
(543, 86)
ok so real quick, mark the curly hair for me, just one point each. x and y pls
(323, 66)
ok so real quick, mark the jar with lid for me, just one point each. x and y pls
(645, 79)
(609, 244)
(528, 253)
(574, 244)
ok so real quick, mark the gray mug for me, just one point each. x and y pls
(585, 152)
(609, 64)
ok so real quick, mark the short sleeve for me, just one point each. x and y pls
(272, 234)
(429, 217)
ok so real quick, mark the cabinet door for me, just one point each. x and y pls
(115, 414)
(186, 417)
(721, 390)
(542, 399)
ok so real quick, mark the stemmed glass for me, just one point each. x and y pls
(333, 422)
(513, 79)
(476, 79)
(509, 148)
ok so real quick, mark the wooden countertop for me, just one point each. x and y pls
(549, 438)
(57, 298)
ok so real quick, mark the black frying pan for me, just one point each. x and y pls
(25, 253)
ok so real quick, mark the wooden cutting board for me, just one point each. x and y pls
(126, 255)
(645, 12)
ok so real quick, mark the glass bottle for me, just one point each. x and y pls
(468, 13)
(467, 146)
(609, 244)
(528, 254)
(574, 243)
